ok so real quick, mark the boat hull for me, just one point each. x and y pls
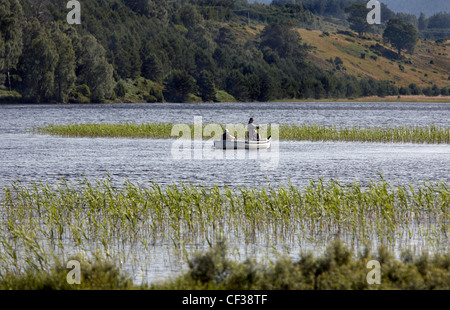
(242, 145)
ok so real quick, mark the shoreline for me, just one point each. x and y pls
(398, 99)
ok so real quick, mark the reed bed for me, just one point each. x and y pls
(40, 223)
(403, 134)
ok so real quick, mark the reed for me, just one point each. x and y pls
(403, 134)
(39, 223)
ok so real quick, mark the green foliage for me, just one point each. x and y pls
(402, 35)
(10, 96)
(95, 275)
(38, 63)
(440, 20)
(413, 134)
(206, 86)
(415, 90)
(41, 221)
(336, 269)
(80, 94)
(204, 39)
(223, 96)
(11, 43)
(178, 86)
(155, 94)
(65, 68)
(94, 69)
(284, 40)
(358, 18)
(120, 90)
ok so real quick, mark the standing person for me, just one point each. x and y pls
(252, 131)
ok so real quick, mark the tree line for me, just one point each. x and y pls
(186, 47)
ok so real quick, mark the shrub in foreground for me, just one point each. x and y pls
(337, 269)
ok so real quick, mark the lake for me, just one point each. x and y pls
(33, 158)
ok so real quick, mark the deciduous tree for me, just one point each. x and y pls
(401, 35)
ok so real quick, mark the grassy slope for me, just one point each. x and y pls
(338, 45)
(349, 49)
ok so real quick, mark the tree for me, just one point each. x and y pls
(65, 68)
(422, 22)
(152, 68)
(428, 91)
(178, 86)
(40, 9)
(235, 85)
(120, 90)
(206, 86)
(93, 69)
(267, 88)
(150, 8)
(189, 16)
(284, 40)
(440, 20)
(10, 37)
(358, 18)
(37, 64)
(401, 35)
(414, 89)
(436, 91)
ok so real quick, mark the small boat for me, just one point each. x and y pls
(242, 144)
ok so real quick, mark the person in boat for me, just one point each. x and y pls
(227, 136)
(252, 131)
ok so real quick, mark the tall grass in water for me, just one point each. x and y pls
(41, 222)
(414, 134)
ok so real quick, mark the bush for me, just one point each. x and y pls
(404, 91)
(96, 275)
(154, 95)
(336, 269)
(80, 94)
(415, 90)
(120, 90)
(436, 91)
(338, 61)
(427, 91)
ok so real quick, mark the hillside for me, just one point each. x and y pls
(415, 7)
(430, 63)
(204, 50)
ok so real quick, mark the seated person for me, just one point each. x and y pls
(227, 136)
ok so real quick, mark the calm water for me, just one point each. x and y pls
(42, 158)
(33, 158)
